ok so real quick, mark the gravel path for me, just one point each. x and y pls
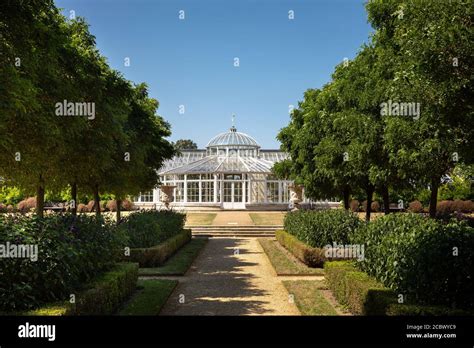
(231, 276)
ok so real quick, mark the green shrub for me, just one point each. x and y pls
(320, 228)
(313, 257)
(363, 295)
(149, 228)
(71, 251)
(356, 290)
(104, 295)
(157, 255)
(420, 258)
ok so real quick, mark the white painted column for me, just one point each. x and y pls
(280, 189)
(265, 191)
(250, 187)
(244, 193)
(215, 188)
(185, 198)
(200, 189)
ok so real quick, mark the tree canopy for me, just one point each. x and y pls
(399, 115)
(67, 119)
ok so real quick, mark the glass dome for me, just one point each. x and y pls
(232, 138)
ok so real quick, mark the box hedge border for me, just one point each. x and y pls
(313, 257)
(363, 295)
(102, 296)
(157, 255)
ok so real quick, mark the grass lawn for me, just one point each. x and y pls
(150, 297)
(267, 218)
(308, 297)
(283, 263)
(197, 219)
(180, 262)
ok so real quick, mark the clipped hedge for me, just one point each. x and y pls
(320, 228)
(157, 255)
(313, 257)
(70, 252)
(103, 296)
(428, 262)
(363, 295)
(150, 227)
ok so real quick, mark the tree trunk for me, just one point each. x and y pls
(370, 192)
(346, 194)
(74, 198)
(40, 197)
(119, 204)
(434, 197)
(97, 200)
(386, 200)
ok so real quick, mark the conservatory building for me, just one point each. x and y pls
(232, 172)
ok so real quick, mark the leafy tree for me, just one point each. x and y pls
(138, 160)
(429, 45)
(185, 144)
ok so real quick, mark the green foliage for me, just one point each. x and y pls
(71, 251)
(105, 294)
(10, 195)
(320, 228)
(158, 254)
(426, 261)
(363, 295)
(125, 120)
(102, 296)
(313, 257)
(460, 187)
(185, 144)
(180, 262)
(150, 227)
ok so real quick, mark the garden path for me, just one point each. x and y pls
(231, 276)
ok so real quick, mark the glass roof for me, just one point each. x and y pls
(221, 164)
(232, 137)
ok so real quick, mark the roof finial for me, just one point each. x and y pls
(233, 129)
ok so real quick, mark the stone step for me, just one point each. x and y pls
(261, 227)
(234, 234)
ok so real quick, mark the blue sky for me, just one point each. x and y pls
(190, 62)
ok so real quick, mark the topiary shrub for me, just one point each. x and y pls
(421, 258)
(375, 206)
(103, 205)
(10, 209)
(91, 206)
(27, 205)
(127, 205)
(320, 228)
(415, 207)
(82, 208)
(150, 227)
(112, 205)
(468, 207)
(354, 205)
(3, 208)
